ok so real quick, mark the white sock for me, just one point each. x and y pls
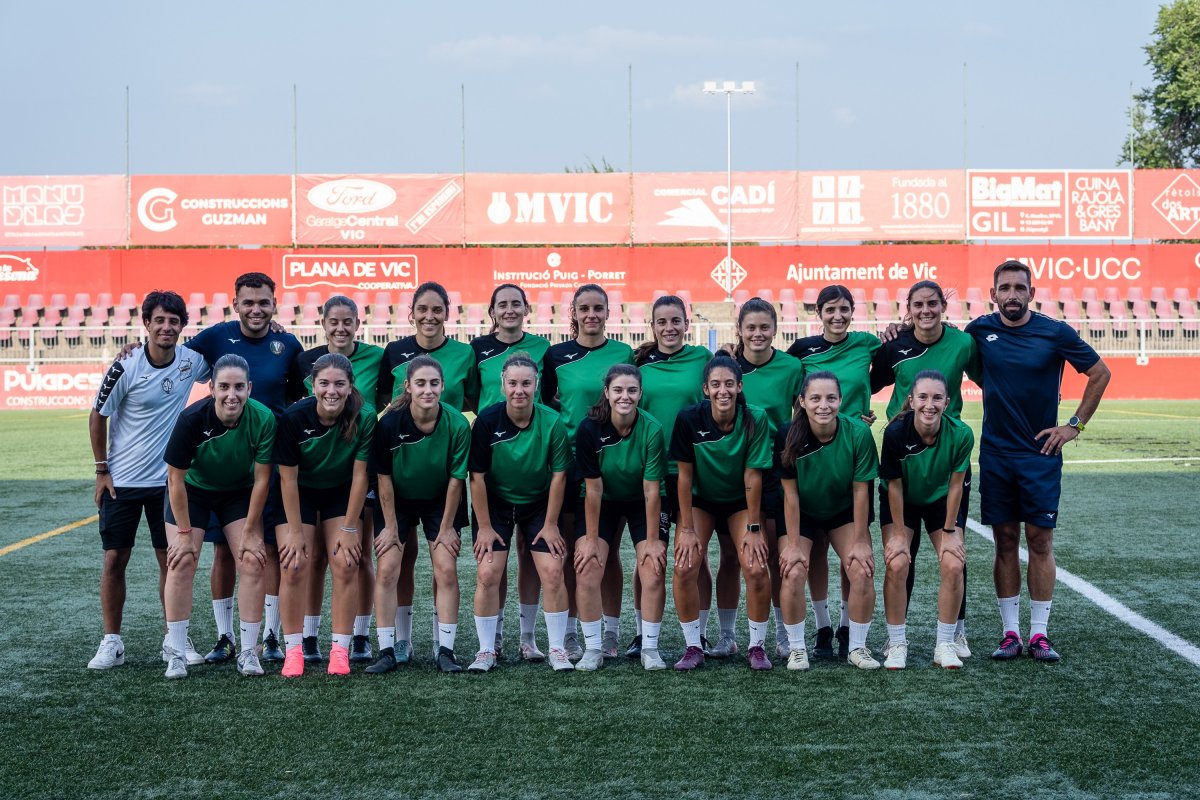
(177, 635)
(570, 623)
(780, 628)
(223, 613)
(650, 631)
(485, 629)
(112, 637)
(703, 622)
(556, 628)
(945, 632)
(821, 613)
(1010, 612)
(612, 624)
(404, 617)
(858, 634)
(342, 640)
(271, 615)
(249, 632)
(362, 625)
(528, 621)
(897, 633)
(1039, 617)
(637, 621)
(795, 636)
(691, 632)
(960, 628)
(312, 625)
(386, 636)
(844, 615)
(758, 632)
(291, 640)
(591, 634)
(727, 618)
(447, 631)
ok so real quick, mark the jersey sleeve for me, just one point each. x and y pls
(460, 450)
(201, 366)
(287, 446)
(472, 388)
(480, 460)
(294, 386)
(265, 445)
(786, 470)
(113, 387)
(1078, 353)
(587, 460)
(385, 386)
(682, 447)
(866, 460)
(560, 447)
(381, 453)
(758, 456)
(882, 372)
(366, 434)
(893, 446)
(203, 343)
(656, 462)
(181, 447)
(549, 385)
(963, 448)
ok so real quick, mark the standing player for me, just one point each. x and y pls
(848, 355)
(926, 455)
(1022, 355)
(518, 463)
(143, 396)
(218, 462)
(572, 380)
(509, 309)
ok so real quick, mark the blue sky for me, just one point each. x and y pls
(547, 85)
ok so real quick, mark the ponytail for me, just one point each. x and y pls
(723, 361)
(587, 287)
(801, 429)
(601, 410)
(404, 399)
(751, 306)
(348, 420)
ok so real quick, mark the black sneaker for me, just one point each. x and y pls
(635, 648)
(311, 650)
(446, 662)
(1040, 649)
(823, 646)
(1009, 648)
(270, 648)
(222, 651)
(843, 639)
(360, 648)
(385, 663)
(704, 644)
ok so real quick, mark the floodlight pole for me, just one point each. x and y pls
(728, 88)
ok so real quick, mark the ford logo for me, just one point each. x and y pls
(351, 196)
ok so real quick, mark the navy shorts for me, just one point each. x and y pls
(612, 512)
(507, 517)
(121, 515)
(1019, 488)
(208, 506)
(933, 515)
(325, 503)
(426, 513)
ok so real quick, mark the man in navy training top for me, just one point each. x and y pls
(1021, 356)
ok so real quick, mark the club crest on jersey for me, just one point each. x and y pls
(185, 369)
(991, 337)
(168, 385)
(277, 348)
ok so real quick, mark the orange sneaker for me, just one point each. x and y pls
(293, 662)
(339, 660)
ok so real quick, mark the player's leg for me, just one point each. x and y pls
(729, 592)
(590, 579)
(758, 590)
(855, 552)
(406, 588)
(686, 591)
(772, 523)
(529, 588)
(897, 550)
(611, 589)
(651, 586)
(791, 592)
(251, 565)
(315, 601)
(343, 567)
(443, 557)
(1000, 507)
(293, 592)
(387, 576)
(180, 559)
(360, 646)
(488, 572)
(818, 590)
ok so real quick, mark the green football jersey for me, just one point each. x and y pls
(825, 473)
(325, 459)
(217, 458)
(621, 462)
(421, 464)
(573, 377)
(899, 361)
(773, 386)
(923, 469)
(720, 459)
(518, 463)
(490, 355)
(459, 374)
(669, 383)
(365, 360)
(850, 360)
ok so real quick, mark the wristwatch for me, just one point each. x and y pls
(1075, 423)
(753, 527)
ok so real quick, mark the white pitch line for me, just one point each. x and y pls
(1111, 605)
(1147, 459)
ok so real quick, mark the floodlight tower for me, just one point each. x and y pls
(729, 89)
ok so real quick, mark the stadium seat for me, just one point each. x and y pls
(1089, 294)
(544, 315)
(564, 303)
(974, 295)
(404, 305)
(860, 314)
(286, 315)
(1158, 296)
(1094, 310)
(1190, 321)
(1142, 312)
(214, 313)
(291, 299)
(313, 299)
(1133, 295)
(788, 312)
(740, 296)
(902, 297)
(221, 299)
(1073, 314)
(544, 298)
(455, 303)
(765, 294)
(1065, 295)
(977, 309)
(615, 303)
(1179, 297)
(383, 298)
(880, 295)
(954, 310)
(658, 293)
(810, 299)
(1167, 322)
(787, 295)
(686, 296)
(381, 314)
(1112, 297)
(310, 315)
(196, 299)
(884, 309)
(477, 314)
(13, 303)
(1120, 319)
(637, 316)
(361, 300)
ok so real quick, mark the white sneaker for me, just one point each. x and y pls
(960, 646)
(783, 648)
(651, 660)
(591, 661)
(610, 645)
(897, 656)
(797, 660)
(945, 655)
(863, 659)
(248, 664)
(726, 646)
(559, 661)
(484, 661)
(111, 653)
(191, 655)
(530, 651)
(176, 665)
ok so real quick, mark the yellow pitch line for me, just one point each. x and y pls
(1146, 414)
(35, 539)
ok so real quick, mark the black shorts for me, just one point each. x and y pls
(506, 517)
(327, 503)
(933, 514)
(426, 513)
(205, 504)
(573, 494)
(772, 508)
(818, 527)
(634, 514)
(719, 511)
(121, 515)
(671, 500)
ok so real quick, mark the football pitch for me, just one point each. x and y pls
(1116, 718)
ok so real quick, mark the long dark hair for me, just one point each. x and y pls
(587, 287)
(348, 419)
(404, 399)
(430, 286)
(643, 351)
(749, 307)
(800, 430)
(916, 287)
(906, 410)
(723, 361)
(834, 292)
(601, 410)
(492, 302)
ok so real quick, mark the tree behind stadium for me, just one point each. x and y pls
(1166, 116)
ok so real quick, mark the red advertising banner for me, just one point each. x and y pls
(62, 211)
(379, 209)
(1167, 204)
(852, 206)
(49, 385)
(695, 206)
(566, 208)
(211, 209)
(1049, 204)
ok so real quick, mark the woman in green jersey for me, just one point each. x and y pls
(572, 380)
(722, 446)
(672, 375)
(848, 355)
(420, 454)
(518, 465)
(926, 456)
(509, 310)
(621, 456)
(322, 446)
(827, 462)
(218, 461)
